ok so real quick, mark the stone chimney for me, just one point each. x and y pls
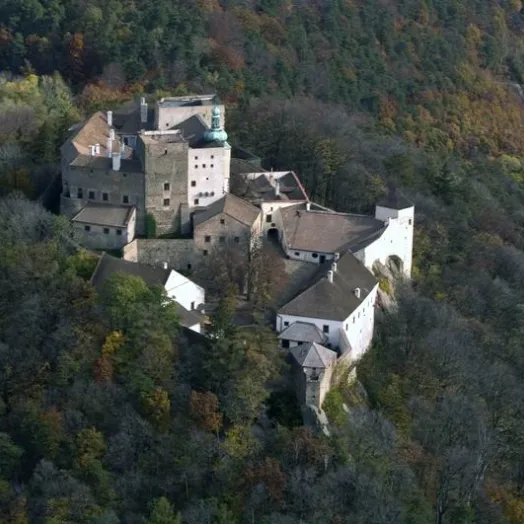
(164, 265)
(277, 187)
(357, 292)
(308, 206)
(337, 257)
(334, 267)
(116, 160)
(97, 149)
(92, 150)
(330, 276)
(143, 110)
(110, 118)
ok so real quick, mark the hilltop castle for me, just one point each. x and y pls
(173, 166)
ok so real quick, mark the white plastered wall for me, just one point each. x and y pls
(184, 291)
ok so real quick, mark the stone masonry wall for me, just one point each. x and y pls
(166, 163)
(180, 254)
(214, 230)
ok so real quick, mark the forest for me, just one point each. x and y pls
(110, 412)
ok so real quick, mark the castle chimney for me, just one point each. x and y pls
(143, 110)
(357, 292)
(116, 161)
(112, 134)
(97, 149)
(110, 118)
(334, 267)
(308, 206)
(330, 276)
(92, 150)
(337, 257)
(164, 265)
(277, 188)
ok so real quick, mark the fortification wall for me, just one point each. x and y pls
(180, 254)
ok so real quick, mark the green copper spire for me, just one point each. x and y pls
(216, 133)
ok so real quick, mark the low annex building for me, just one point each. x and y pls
(229, 220)
(189, 296)
(105, 226)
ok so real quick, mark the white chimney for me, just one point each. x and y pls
(92, 150)
(109, 147)
(337, 257)
(116, 161)
(143, 110)
(308, 206)
(330, 276)
(357, 292)
(334, 267)
(112, 134)
(277, 188)
(164, 265)
(97, 149)
(110, 118)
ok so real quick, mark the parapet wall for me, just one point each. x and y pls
(180, 254)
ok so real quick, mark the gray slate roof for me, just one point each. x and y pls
(313, 355)
(192, 129)
(104, 214)
(152, 276)
(324, 231)
(232, 206)
(262, 190)
(333, 300)
(109, 265)
(303, 332)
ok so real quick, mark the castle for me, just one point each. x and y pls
(172, 166)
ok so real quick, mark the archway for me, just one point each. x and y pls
(273, 235)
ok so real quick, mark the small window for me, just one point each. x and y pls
(346, 327)
(106, 231)
(204, 166)
(192, 305)
(167, 186)
(196, 201)
(212, 156)
(286, 323)
(193, 183)
(222, 239)
(315, 255)
(91, 195)
(205, 252)
(353, 320)
(189, 267)
(207, 239)
(271, 209)
(125, 174)
(237, 240)
(359, 314)
(222, 221)
(165, 151)
(325, 328)
(269, 218)
(285, 344)
(87, 228)
(212, 165)
(196, 166)
(196, 158)
(212, 193)
(297, 254)
(167, 201)
(119, 232)
(105, 197)
(80, 193)
(125, 199)
(410, 221)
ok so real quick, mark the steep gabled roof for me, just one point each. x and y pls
(313, 355)
(104, 214)
(262, 186)
(192, 129)
(232, 206)
(326, 231)
(303, 332)
(109, 265)
(333, 300)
